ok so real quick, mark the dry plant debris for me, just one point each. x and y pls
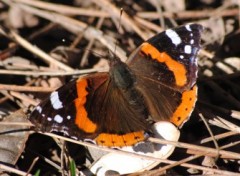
(44, 44)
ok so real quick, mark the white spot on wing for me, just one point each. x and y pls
(55, 101)
(39, 109)
(173, 36)
(188, 27)
(68, 117)
(181, 56)
(191, 41)
(187, 49)
(49, 119)
(58, 118)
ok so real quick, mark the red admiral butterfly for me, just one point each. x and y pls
(113, 109)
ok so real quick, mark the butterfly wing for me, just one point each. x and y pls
(166, 70)
(93, 108)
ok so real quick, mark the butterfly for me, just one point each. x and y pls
(116, 108)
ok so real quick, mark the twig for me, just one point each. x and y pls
(235, 114)
(231, 144)
(3, 99)
(32, 165)
(64, 9)
(12, 94)
(210, 131)
(157, 4)
(225, 68)
(7, 96)
(90, 44)
(219, 136)
(26, 88)
(185, 160)
(215, 152)
(188, 14)
(76, 40)
(51, 73)
(148, 24)
(206, 53)
(13, 170)
(208, 154)
(222, 123)
(16, 123)
(24, 98)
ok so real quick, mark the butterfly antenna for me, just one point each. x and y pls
(118, 29)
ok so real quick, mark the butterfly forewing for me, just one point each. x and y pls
(171, 57)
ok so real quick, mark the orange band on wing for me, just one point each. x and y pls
(82, 120)
(178, 69)
(114, 140)
(184, 110)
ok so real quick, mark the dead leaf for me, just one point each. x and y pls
(13, 137)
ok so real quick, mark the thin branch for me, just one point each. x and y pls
(148, 24)
(13, 170)
(26, 88)
(215, 152)
(16, 123)
(64, 9)
(210, 131)
(219, 136)
(189, 14)
(185, 160)
(90, 45)
(32, 165)
(24, 98)
(50, 73)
